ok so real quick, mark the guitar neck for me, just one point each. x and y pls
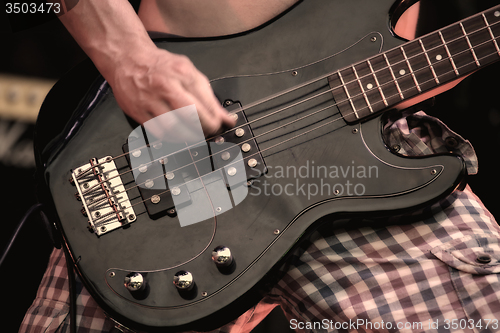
(420, 65)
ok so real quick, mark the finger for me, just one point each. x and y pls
(200, 89)
(178, 97)
(174, 125)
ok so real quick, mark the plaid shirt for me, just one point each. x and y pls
(438, 274)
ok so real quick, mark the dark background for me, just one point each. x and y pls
(37, 46)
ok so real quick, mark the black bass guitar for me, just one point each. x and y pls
(184, 240)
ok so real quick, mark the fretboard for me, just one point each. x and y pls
(389, 78)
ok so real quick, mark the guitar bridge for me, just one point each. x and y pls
(103, 195)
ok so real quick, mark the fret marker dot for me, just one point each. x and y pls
(439, 57)
(497, 13)
(369, 86)
(402, 72)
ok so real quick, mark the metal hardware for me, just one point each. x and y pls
(134, 282)
(252, 162)
(231, 171)
(239, 132)
(246, 147)
(183, 280)
(222, 256)
(155, 199)
(175, 191)
(143, 168)
(225, 156)
(100, 188)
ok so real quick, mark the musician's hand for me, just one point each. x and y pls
(149, 84)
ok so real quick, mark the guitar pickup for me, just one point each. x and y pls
(160, 181)
(235, 145)
(181, 177)
(105, 200)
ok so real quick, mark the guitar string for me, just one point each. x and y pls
(301, 118)
(487, 26)
(99, 201)
(258, 152)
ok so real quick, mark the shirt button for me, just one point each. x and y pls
(484, 259)
(451, 142)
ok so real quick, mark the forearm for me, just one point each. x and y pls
(147, 81)
(109, 31)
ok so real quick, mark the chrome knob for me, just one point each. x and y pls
(183, 280)
(134, 282)
(222, 256)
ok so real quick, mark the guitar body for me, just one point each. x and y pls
(281, 207)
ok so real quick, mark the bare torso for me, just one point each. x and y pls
(202, 18)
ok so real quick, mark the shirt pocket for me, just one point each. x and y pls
(474, 254)
(45, 316)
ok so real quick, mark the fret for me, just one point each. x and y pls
(342, 100)
(403, 73)
(362, 89)
(492, 18)
(481, 40)
(491, 33)
(348, 95)
(455, 69)
(394, 77)
(418, 62)
(361, 98)
(377, 83)
(411, 69)
(456, 43)
(429, 61)
(417, 66)
(370, 86)
(470, 45)
(385, 80)
(442, 64)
